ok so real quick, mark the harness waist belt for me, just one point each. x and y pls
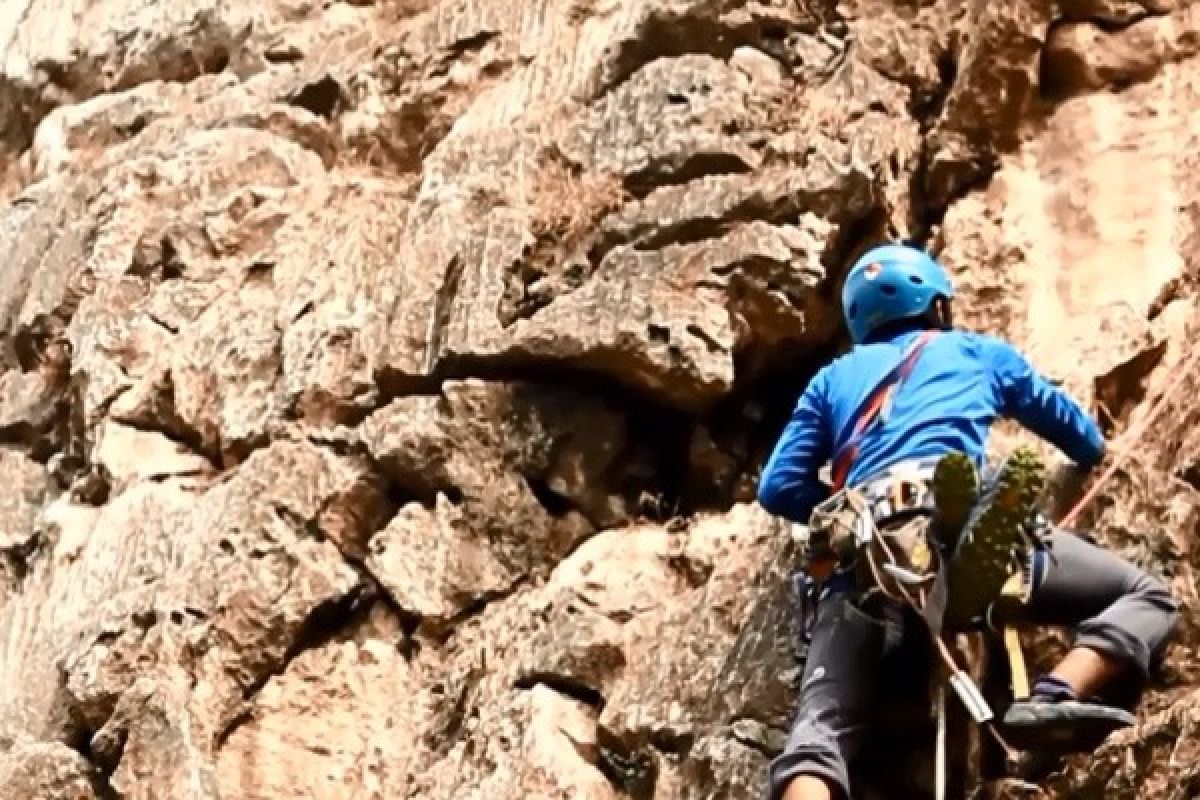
(902, 487)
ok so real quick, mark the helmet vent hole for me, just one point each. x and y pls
(853, 310)
(887, 289)
(917, 279)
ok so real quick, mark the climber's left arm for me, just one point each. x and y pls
(790, 485)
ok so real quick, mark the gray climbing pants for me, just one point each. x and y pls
(1109, 604)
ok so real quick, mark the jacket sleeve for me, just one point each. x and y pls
(790, 486)
(1043, 408)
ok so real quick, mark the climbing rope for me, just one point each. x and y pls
(959, 681)
(898, 590)
(1134, 433)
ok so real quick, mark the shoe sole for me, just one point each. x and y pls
(984, 560)
(955, 492)
(1071, 727)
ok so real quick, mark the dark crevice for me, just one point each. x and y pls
(323, 97)
(1170, 292)
(79, 736)
(333, 618)
(852, 240)
(235, 453)
(41, 433)
(691, 231)
(17, 561)
(744, 426)
(471, 44)
(409, 645)
(244, 715)
(323, 625)
(1191, 475)
(397, 496)
(440, 630)
(1123, 388)
(102, 786)
(659, 428)
(632, 771)
(554, 504)
(159, 264)
(1054, 85)
(926, 107)
(135, 126)
(678, 745)
(171, 329)
(259, 274)
(1116, 26)
(215, 62)
(405, 487)
(564, 685)
(664, 171)
(393, 384)
(930, 204)
(283, 55)
(443, 307)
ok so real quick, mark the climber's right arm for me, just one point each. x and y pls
(790, 485)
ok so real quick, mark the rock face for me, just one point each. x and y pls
(384, 384)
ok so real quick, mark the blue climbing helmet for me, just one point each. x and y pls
(891, 282)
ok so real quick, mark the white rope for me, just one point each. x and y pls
(939, 767)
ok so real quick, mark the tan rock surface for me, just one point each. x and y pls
(384, 384)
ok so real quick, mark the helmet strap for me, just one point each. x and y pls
(941, 314)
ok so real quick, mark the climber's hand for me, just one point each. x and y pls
(1066, 483)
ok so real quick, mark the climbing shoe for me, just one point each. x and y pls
(994, 541)
(1050, 725)
(955, 491)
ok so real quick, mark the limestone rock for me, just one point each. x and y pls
(432, 565)
(337, 723)
(384, 383)
(164, 742)
(47, 770)
(26, 489)
(1051, 270)
(1155, 757)
(578, 647)
(519, 436)
(993, 91)
(547, 750)
(1081, 56)
(130, 456)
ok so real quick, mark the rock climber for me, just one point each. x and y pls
(947, 387)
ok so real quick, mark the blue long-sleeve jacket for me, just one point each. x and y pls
(961, 383)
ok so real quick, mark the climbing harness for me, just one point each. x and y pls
(840, 526)
(847, 525)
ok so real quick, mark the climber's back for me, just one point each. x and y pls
(948, 387)
(959, 384)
